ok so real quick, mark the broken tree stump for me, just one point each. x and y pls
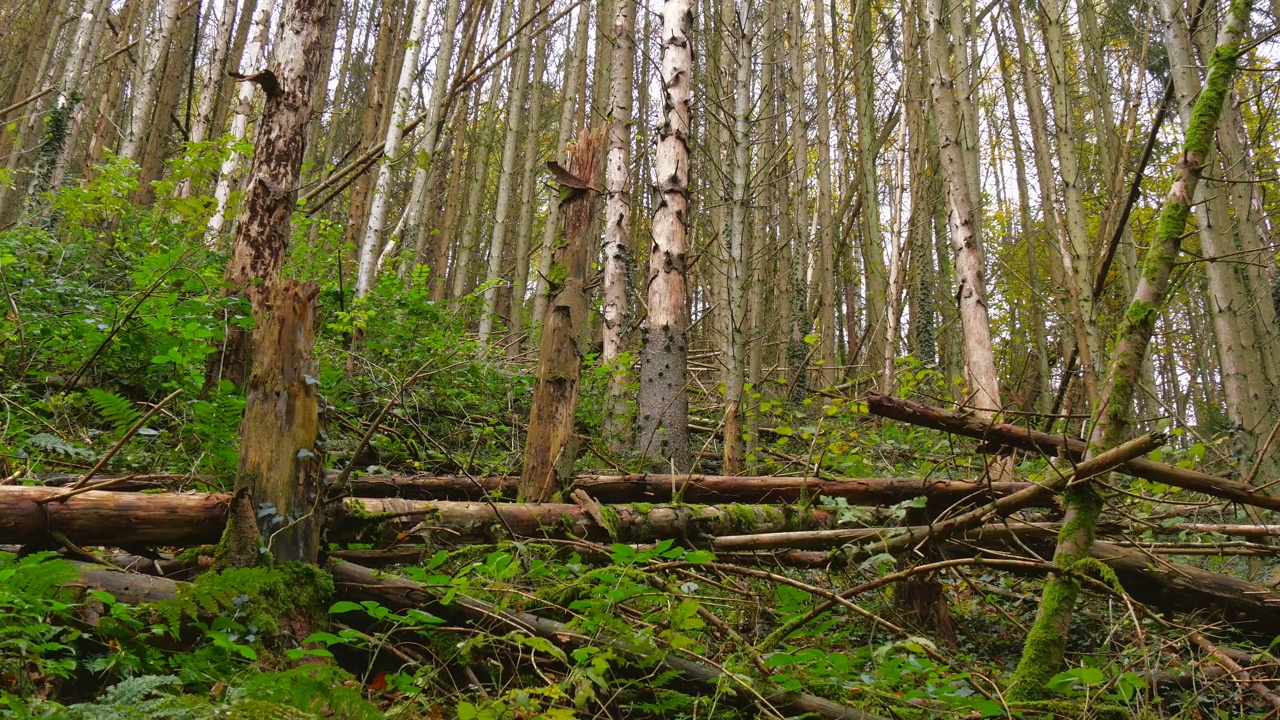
(551, 449)
(277, 490)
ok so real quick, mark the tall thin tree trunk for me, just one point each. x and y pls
(825, 274)
(799, 319)
(142, 102)
(617, 230)
(435, 108)
(880, 327)
(524, 228)
(1077, 252)
(507, 177)
(663, 399)
(574, 71)
(1242, 370)
(737, 244)
(217, 65)
(371, 244)
(256, 53)
(984, 385)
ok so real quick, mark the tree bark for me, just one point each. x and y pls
(372, 242)
(663, 399)
(574, 69)
(143, 95)
(737, 245)
(278, 480)
(281, 464)
(616, 425)
(519, 82)
(984, 382)
(256, 52)
(551, 447)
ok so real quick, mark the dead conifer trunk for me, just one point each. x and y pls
(550, 449)
(278, 481)
(281, 468)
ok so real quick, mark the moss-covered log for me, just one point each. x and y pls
(639, 487)
(647, 487)
(638, 522)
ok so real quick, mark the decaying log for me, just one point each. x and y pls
(112, 518)
(126, 587)
(647, 487)
(639, 487)
(630, 523)
(358, 582)
(1004, 506)
(1005, 435)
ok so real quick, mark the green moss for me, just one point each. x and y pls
(643, 508)
(556, 277)
(1140, 312)
(611, 521)
(739, 518)
(1045, 645)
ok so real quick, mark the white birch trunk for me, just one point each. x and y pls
(617, 222)
(510, 147)
(142, 104)
(427, 153)
(984, 387)
(209, 82)
(367, 265)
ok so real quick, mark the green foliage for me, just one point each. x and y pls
(36, 639)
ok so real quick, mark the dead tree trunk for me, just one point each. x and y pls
(550, 450)
(278, 481)
(281, 467)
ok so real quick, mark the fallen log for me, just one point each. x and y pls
(625, 523)
(1006, 435)
(112, 518)
(126, 587)
(1167, 586)
(638, 487)
(362, 583)
(170, 519)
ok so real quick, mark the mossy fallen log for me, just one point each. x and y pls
(637, 487)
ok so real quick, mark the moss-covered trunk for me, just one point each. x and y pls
(1045, 646)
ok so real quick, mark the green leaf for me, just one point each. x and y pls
(344, 606)
(698, 557)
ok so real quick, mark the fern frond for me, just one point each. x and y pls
(118, 412)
